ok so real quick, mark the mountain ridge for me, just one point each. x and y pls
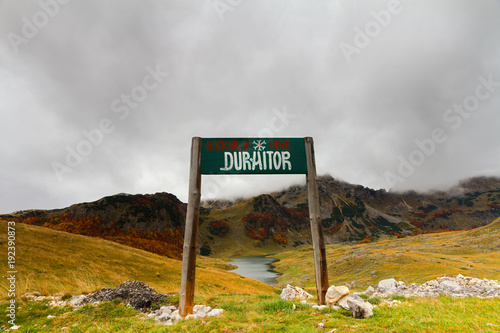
(269, 223)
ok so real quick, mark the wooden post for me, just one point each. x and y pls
(186, 297)
(315, 219)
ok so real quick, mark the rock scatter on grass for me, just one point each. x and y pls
(168, 315)
(335, 295)
(338, 297)
(135, 294)
(455, 286)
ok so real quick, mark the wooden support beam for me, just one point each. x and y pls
(320, 264)
(186, 297)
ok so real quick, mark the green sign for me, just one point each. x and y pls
(253, 156)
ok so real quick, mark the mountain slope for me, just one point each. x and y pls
(477, 204)
(416, 259)
(152, 222)
(51, 261)
(273, 222)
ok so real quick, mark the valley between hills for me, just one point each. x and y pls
(274, 222)
(371, 235)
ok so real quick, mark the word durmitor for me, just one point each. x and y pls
(259, 161)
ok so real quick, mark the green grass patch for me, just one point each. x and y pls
(252, 313)
(400, 298)
(374, 300)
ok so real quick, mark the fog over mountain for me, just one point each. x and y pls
(98, 98)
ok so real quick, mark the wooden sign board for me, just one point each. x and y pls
(249, 156)
(253, 156)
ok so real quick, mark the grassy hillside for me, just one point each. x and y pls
(51, 261)
(412, 259)
(236, 242)
(262, 313)
(274, 222)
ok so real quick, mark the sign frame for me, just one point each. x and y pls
(253, 156)
(186, 296)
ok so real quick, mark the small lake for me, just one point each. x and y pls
(256, 267)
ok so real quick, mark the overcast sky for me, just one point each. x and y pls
(397, 95)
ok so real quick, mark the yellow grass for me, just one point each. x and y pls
(414, 259)
(51, 261)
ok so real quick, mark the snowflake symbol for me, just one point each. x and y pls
(259, 145)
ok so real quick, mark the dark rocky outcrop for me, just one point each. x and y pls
(137, 294)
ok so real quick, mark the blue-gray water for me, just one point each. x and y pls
(256, 267)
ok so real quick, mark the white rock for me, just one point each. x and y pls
(163, 317)
(31, 294)
(164, 311)
(76, 300)
(387, 285)
(370, 290)
(197, 307)
(334, 293)
(321, 325)
(15, 327)
(450, 286)
(175, 315)
(343, 301)
(215, 312)
(319, 307)
(360, 309)
(290, 293)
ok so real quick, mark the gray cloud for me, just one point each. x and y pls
(228, 74)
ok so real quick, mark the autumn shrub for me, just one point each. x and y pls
(280, 238)
(167, 242)
(367, 239)
(262, 226)
(218, 228)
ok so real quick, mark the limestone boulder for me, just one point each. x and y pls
(370, 290)
(360, 309)
(387, 285)
(343, 301)
(290, 293)
(335, 293)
